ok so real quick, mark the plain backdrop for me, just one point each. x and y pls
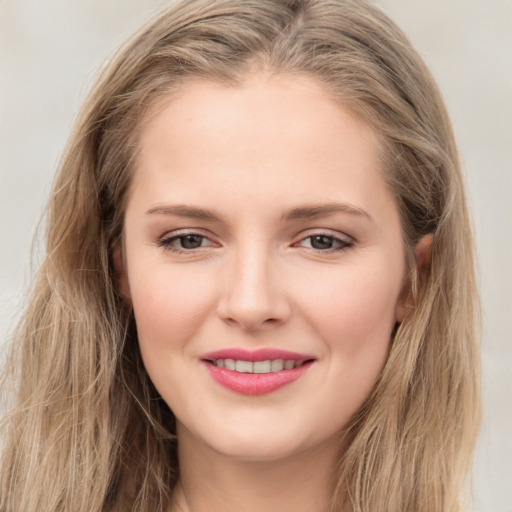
(50, 51)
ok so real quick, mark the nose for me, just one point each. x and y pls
(253, 295)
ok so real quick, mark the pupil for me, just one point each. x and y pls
(191, 241)
(321, 242)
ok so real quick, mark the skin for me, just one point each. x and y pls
(252, 154)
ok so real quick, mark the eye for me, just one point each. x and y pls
(325, 243)
(184, 243)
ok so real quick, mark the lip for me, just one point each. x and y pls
(255, 383)
(262, 354)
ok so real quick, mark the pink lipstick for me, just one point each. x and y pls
(256, 372)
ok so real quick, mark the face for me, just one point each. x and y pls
(264, 263)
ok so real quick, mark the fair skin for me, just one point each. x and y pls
(294, 244)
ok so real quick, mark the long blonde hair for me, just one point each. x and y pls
(88, 431)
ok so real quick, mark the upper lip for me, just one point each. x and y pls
(262, 354)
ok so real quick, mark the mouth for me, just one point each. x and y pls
(268, 366)
(256, 372)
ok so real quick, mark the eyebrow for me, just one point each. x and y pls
(313, 211)
(186, 211)
(308, 211)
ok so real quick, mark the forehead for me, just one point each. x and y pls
(263, 137)
(207, 106)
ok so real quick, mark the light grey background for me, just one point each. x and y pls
(50, 51)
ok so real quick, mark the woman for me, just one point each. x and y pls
(258, 290)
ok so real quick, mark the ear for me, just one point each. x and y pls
(423, 253)
(120, 274)
(422, 262)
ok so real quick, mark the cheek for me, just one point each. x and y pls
(169, 308)
(355, 311)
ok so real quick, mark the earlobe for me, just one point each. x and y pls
(422, 261)
(120, 274)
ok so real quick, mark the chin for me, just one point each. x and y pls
(256, 443)
(262, 450)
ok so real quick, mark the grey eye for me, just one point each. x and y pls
(190, 241)
(321, 242)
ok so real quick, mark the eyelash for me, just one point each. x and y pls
(341, 243)
(167, 241)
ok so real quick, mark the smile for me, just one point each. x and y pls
(268, 366)
(257, 372)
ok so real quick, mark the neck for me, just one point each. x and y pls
(213, 482)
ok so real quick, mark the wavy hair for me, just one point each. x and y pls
(87, 430)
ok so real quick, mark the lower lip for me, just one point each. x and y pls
(255, 383)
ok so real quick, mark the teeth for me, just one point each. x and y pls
(269, 366)
(277, 365)
(262, 366)
(288, 365)
(229, 363)
(244, 367)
